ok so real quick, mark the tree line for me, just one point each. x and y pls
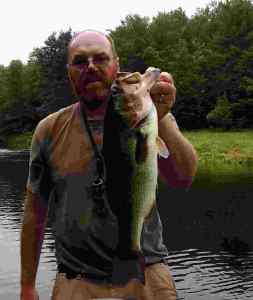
(210, 56)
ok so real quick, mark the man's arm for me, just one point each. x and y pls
(180, 167)
(38, 189)
(32, 233)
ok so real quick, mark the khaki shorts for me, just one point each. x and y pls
(159, 286)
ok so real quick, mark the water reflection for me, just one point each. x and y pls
(202, 268)
(207, 273)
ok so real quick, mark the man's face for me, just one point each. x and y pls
(92, 67)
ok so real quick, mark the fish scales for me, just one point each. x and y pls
(130, 156)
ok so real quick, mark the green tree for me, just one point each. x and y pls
(131, 38)
(242, 112)
(31, 82)
(14, 78)
(52, 60)
(167, 28)
(221, 115)
(209, 55)
(151, 57)
(19, 84)
(227, 37)
(3, 88)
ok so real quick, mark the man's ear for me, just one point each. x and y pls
(69, 77)
(71, 81)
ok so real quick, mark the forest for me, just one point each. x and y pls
(210, 56)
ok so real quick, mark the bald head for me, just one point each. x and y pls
(91, 37)
(92, 66)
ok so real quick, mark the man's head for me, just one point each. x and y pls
(92, 66)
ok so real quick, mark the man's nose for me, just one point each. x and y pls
(91, 64)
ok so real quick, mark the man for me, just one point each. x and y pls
(61, 171)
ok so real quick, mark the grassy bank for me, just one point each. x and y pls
(19, 141)
(224, 157)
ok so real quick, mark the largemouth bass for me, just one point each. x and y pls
(130, 156)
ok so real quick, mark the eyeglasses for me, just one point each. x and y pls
(81, 62)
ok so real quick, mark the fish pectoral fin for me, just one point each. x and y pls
(162, 148)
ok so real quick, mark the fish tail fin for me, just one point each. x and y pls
(127, 268)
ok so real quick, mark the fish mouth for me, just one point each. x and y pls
(155, 72)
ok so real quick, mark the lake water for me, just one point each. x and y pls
(208, 233)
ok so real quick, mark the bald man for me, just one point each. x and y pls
(62, 169)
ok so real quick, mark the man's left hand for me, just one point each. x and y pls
(163, 94)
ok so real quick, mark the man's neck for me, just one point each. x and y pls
(94, 114)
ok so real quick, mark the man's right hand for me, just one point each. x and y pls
(29, 293)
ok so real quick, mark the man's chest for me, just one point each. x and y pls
(72, 151)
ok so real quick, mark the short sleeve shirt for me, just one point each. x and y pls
(62, 168)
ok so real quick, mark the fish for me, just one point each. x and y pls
(130, 156)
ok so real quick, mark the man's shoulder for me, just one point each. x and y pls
(47, 124)
(59, 114)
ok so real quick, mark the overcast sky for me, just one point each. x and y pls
(26, 24)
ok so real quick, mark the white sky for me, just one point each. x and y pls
(26, 24)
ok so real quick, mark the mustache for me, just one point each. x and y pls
(86, 78)
(90, 77)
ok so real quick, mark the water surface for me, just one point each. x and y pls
(208, 235)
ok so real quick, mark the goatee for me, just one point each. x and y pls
(92, 104)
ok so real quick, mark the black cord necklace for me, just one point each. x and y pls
(98, 155)
(98, 185)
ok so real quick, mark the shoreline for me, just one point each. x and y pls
(225, 157)
(22, 141)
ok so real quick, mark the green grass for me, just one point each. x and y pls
(224, 157)
(19, 141)
(234, 146)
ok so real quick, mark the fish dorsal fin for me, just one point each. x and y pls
(162, 148)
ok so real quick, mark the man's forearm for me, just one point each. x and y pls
(181, 150)
(32, 233)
